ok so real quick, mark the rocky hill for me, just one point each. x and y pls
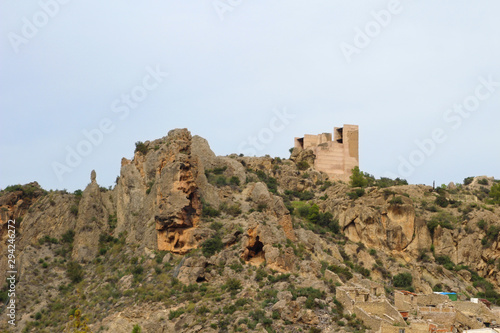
(188, 241)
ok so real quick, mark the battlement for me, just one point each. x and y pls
(336, 157)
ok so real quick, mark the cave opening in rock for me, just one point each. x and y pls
(201, 279)
(254, 250)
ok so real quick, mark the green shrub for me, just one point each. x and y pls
(141, 148)
(325, 220)
(492, 233)
(137, 270)
(175, 314)
(112, 221)
(272, 183)
(234, 181)
(4, 295)
(278, 278)
(275, 315)
(325, 185)
(443, 219)
(68, 237)
(261, 207)
(234, 210)
(216, 226)
(74, 271)
(483, 181)
(357, 178)
(445, 261)
(361, 270)
(260, 274)
(237, 267)
(301, 195)
(216, 171)
(438, 287)
(212, 246)
(441, 201)
(136, 329)
(302, 165)
(191, 288)
(150, 186)
(482, 224)
(342, 272)
(468, 180)
(310, 293)
(495, 193)
(220, 181)
(48, 240)
(28, 190)
(202, 310)
(209, 211)
(233, 285)
(384, 182)
(359, 192)
(402, 280)
(396, 201)
(74, 210)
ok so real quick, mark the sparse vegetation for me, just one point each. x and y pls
(301, 195)
(237, 287)
(443, 219)
(209, 211)
(403, 280)
(483, 181)
(302, 165)
(141, 148)
(28, 190)
(468, 180)
(396, 201)
(357, 178)
(359, 192)
(74, 271)
(212, 246)
(441, 201)
(495, 193)
(387, 182)
(74, 210)
(234, 181)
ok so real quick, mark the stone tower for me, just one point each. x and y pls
(335, 157)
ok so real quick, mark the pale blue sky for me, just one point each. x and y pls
(64, 69)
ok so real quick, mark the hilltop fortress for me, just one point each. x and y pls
(335, 157)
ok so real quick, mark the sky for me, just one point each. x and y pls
(82, 81)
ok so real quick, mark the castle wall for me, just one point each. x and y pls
(335, 157)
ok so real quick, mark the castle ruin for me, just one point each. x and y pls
(335, 157)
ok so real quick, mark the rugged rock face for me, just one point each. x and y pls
(90, 223)
(189, 241)
(178, 206)
(377, 223)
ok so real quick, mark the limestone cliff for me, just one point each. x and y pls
(184, 233)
